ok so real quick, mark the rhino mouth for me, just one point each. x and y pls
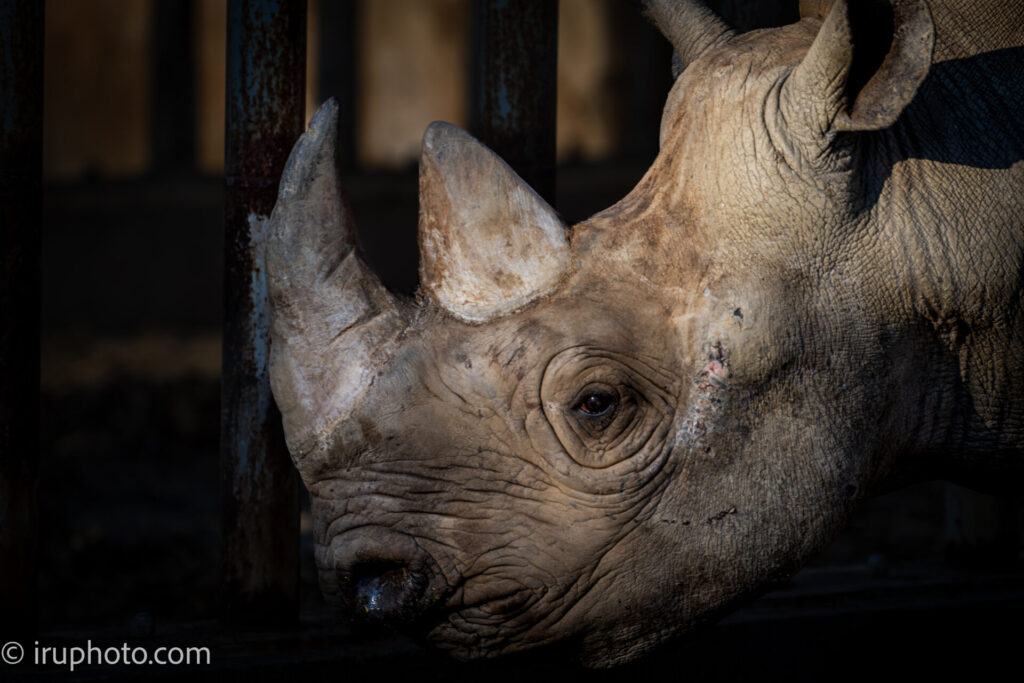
(383, 578)
(487, 626)
(506, 605)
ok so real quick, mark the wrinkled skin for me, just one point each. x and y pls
(784, 317)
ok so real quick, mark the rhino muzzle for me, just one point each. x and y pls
(383, 576)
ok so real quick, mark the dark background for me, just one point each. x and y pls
(924, 579)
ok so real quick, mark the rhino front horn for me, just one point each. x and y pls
(330, 315)
(489, 244)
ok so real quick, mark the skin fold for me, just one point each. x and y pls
(611, 433)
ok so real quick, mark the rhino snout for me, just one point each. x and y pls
(388, 592)
(384, 576)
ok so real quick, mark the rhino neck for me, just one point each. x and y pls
(945, 200)
(964, 28)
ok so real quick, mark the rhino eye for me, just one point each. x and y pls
(604, 408)
(594, 404)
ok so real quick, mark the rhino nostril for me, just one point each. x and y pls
(387, 591)
(378, 584)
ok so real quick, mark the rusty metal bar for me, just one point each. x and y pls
(266, 65)
(514, 85)
(21, 158)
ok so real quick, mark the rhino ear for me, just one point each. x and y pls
(689, 25)
(863, 68)
(488, 243)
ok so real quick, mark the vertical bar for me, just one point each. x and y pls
(643, 62)
(266, 63)
(21, 144)
(337, 70)
(514, 85)
(174, 91)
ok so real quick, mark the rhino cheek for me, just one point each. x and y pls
(761, 482)
(704, 548)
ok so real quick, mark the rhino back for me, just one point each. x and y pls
(945, 191)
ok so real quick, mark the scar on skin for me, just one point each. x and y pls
(716, 371)
(721, 515)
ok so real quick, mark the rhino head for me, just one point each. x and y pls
(610, 432)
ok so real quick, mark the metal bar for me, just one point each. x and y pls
(174, 92)
(21, 145)
(514, 85)
(265, 115)
(642, 59)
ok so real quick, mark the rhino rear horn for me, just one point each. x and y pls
(489, 244)
(862, 70)
(329, 314)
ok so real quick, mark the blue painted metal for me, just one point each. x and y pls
(514, 85)
(266, 65)
(21, 144)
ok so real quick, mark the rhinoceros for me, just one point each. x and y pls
(612, 432)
